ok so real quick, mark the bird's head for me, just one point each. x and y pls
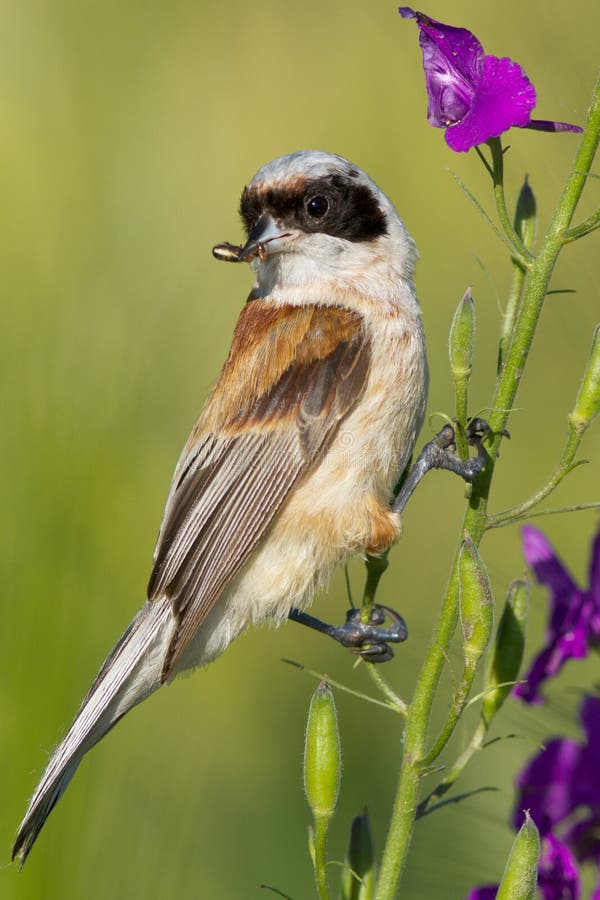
(313, 219)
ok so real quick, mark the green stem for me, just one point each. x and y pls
(584, 228)
(506, 239)
(459, 701)
(555, 511)
(393, 700)
(376, 566)
(520, 251)
(508, 319)
(461, 388)
(320, 833)
(565, 466)
(457, 768)
(415, 743)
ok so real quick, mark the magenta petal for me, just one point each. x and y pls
(590, 718)
(485, 892)
(452, 60)
(541, 556)
(504, 97)
(595, 570)
(584, 839)
(558, 875)
(547, 785)
(548, 125)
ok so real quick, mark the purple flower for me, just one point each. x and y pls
(558, 877)
(473, 96)
(561, 789)
(485, 892)
(574, 622)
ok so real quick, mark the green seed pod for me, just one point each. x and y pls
(505, 661)
(360, 859)
(526, 215)
(519, 881)
(587, 405)
(462, 338)
(322, 754)
(476, 603)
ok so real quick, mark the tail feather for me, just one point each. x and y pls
(130, 673)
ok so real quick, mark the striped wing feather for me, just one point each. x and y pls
(303, 370)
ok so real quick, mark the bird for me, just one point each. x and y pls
(290, 468)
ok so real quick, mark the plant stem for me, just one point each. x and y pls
(393, 700)
(376, 566)
(565, 466)
(519, 249)
(508, 319)
(461, 388)
(536, 286)
(320, 833)
(586, 227)
(457, 768)
(555, 511)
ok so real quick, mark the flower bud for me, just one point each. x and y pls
(359, 862)
(476, 603)
(506, 659)
(520, 875)
(462, 338)
(526, 215)
(322, 754)
(587, 405)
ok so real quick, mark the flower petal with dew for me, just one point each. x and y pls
(474, 96)
(574, 621)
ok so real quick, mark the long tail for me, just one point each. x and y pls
(130, 673)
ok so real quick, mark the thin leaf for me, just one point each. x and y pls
(269, 887)
(458, 799)
(339, 686)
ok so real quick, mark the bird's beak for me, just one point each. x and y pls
(266, 237)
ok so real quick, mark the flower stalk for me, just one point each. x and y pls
(461, 344)
(415, 747)
(525, 228)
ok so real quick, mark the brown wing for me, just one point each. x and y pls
(292, 375)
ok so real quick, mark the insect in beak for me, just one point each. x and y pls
(261, 242)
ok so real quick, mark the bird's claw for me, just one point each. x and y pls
(445, 449)
(370, 639)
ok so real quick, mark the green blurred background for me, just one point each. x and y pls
(128, 131)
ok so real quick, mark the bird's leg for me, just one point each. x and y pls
(370, 639)
(440, 454)
(367, 639)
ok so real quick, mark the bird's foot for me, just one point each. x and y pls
(370, 640)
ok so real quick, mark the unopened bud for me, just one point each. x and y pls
(322, 754)
(587, 405)
(521, 872)
(526, 215)
(462, 338)
(476, 603)
(505, 661)
(358, 878)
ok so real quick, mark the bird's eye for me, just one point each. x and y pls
(317, 206)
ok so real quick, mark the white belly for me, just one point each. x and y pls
(328, 516)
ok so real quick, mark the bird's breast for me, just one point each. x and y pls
(346, 497)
